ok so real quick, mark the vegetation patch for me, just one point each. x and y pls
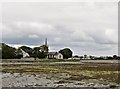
(79, 78)
(57, 60)
(69, 73)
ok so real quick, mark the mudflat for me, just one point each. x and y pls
(60, 74)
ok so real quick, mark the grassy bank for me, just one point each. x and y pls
(56, 60)
(40, 60)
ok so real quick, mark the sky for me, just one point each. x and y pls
(84, 27)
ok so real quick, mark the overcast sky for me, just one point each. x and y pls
(84, 27)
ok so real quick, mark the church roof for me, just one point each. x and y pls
(52, 53)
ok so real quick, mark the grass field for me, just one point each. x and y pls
(57, 60)
(40, 60)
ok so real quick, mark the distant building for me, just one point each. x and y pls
(54, 55)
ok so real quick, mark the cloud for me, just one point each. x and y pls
(112, 35)
(33, 36)
(89, 28)
(22, 29)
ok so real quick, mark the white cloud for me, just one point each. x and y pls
(84, 27)
(80, 35)
(21, 29)
(34, 36)
(19, 45)
(112, 35)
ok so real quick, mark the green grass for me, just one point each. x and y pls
(56, 60)
(43, 60)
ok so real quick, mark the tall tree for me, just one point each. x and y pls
(114, 56)
(66, 52)
(40, 52)
(8, 52)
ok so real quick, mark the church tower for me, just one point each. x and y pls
(46, 42)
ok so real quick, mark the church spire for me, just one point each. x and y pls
(46, 41)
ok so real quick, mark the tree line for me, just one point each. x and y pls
(36, 52)
(41, 52)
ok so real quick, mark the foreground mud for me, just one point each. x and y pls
(66, 75)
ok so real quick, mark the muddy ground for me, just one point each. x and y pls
(61, 75)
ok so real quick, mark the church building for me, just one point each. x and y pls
(53, 55)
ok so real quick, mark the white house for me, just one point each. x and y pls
(54, 55)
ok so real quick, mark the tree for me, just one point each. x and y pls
(66, 52)
(114, 56)
(76, 56)
(85, 56)
(40, 52)
(18, 53)
(91, 57)
(44, 48)
(26, 49)
(35, 52)
(0, 50)
(8, 52)
(81, 57)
